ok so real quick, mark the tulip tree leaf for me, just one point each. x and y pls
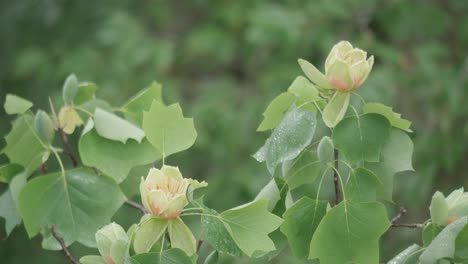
(8, 202)
(181, 237)
(300, 222)
(8, 171)
(77, 203)
(362, 186)
(167, 129)
(302, 170)
(361, 138)
(304, 90)
(314, 74)
(133, 109)
(85, 93)
(394, 118)
(23, 145)
(148, 232)
(113, 127)
(443, 246)
(461, 244)
(275, 111)
(349, 233)
(16, 105)
(114, 158)
(408, 256)
(292, 135)
(170, 256)
(326, 150)
(335, 109)
(70, 88)
(45, 128)
(216, 233)
(429, 233)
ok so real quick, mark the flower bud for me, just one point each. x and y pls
(163, 192)
(346, 68)
(69, 119)
(112, 242)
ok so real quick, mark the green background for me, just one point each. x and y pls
(225, 60)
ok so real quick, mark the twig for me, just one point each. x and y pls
(400, 214)
(64, 247)
(43, 168)
(137, 206)
(407, 225)
(397, 218)
(335, 179)
(66, 144)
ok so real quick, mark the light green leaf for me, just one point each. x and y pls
(326, 150)
(216, 233)
(181, 237)
(167, 129)
(406, 255)
(362, 186)
(300, 222)
(314, 74)
(106, 155)
(70, 88)
(45, 128)
(16, 105)
(113, 127)
(304, 91)
(443, 246)
(85, 93)
(439, 209)
(335, 109)
(23, 145)
(461, 244)
(92, 260)
(171, 256)
(8, 202)
(394, 118)
(361, 138)
(275, 111)
(8, 171)
(302, 170)
(133, 109)
(289, 138)
(148, 232)
(77, 204)
(349, 233)
(271, 193)
(429, 233)
(212, 258)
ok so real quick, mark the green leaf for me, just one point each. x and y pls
(349, 233)
(314, 74)
(271, 193)
(16, 105)
(439, 209)
(275, 111)
(23, 145)
(45, 128)
(292, 135)
(461, 244)
(443, 246)
(181, 237)
(106, 155)
(148, 232)
(8, 202)
(429, 233)
(304, 91)
(216, 233)
(300, 222)
(406, 255)
(70, 88)
(113, 127)
(8, 171)
(85, 93)
(335, 109)
(362, 186)
(171, 256)
(167, 129)
(302, 170)
(77, 204)
(133, 109)
(92, 260)
(326, 150)
(361, 138)
(212, 258)
(394, 118)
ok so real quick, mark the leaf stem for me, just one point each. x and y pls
(135, 205)
(335, 178)
(63, 245)
(66, 143)
(59, 160)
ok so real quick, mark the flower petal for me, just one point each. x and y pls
(339, 76)
(172, 172)
(337, 52)
(314, 74)
(370, 63)
(355, 56)
(175, 206)
(157, 201)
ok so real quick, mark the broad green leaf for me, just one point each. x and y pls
(148, 232)
(362, 186)
(171, 256)
(181, 237)
(77, 203)
(300, 222)
(92, 260)
(349, 233)
(167, 129)
(439, 209)
(429, 233)
(335, 109)
(212, 258)
(133, 109)
(271, 193)
(326, 150)
(394, 118)
(292, 135)
(276, 110)
(107, 155)
(283, 191)
(405, 256)
(45, 128)
(443, 246)
(85, 93)
(216, 233)
(304, 91)
(70, 88)
(111, 126)
(314, 74)
(361, 138)
(23, 146)
(8, 171)
(303, 170)
(8, 202)
(16, 105)
(461, 244)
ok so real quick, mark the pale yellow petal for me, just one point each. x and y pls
(157, 201)
(175, 206)
(337, 52)
(172, 172)
(144, 194)
(339, 76)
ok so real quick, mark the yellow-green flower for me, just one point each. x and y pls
(69, 119)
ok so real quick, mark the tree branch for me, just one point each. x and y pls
(66, 143)
(397, 218)
(64, 247)
(335, 179)
(136, 206)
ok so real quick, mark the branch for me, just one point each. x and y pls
(66, 143)
(136, 206)
(335, 179)
(64, 247)
(400, 214)
(43, 168)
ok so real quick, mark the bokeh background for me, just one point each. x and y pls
(225, 60)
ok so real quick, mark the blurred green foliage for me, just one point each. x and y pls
(225, 60)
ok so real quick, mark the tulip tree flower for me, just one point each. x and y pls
(164, 191)
(69, 119)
